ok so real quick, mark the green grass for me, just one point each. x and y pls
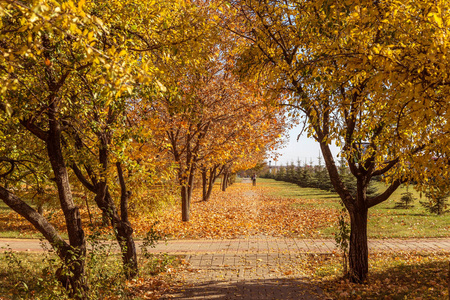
(384, 220)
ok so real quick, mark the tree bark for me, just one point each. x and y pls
(208, 182)
(75, 259)
(185, 214)
(186, 182)
(358, 210)
(125, 231)
(36, 219)
(358, 251)
(212, 180)
(204, 183)
(190, 187)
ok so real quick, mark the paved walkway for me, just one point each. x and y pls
(252, 268)
(258, 245)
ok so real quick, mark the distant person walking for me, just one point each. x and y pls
(254, 179)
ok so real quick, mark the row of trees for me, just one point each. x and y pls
(103, 93)
(112, 97)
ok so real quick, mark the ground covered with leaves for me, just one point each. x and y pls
(271, 208)
(242, 211)
(406, 275)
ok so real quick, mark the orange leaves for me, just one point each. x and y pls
(148, 287)
(241, 212)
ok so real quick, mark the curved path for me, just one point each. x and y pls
(251, 268)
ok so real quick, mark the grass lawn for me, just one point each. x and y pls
(384, 220)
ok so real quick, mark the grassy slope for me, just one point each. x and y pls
(384, 220)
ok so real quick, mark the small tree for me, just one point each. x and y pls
(437, 202)
(406, 200)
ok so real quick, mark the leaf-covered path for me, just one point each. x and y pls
(242, 211)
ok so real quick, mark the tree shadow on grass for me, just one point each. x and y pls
(258, 289)
(322, 196)
(404, 281)
(415, 215)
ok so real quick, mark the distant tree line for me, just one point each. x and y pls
(314, 176)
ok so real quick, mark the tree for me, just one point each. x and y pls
(37, 45)
(66, 77)
(437, 201)
(363, 76)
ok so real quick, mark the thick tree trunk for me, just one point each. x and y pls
(358, 252)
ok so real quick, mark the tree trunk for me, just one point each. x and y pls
(190, 187)
(125, 231)
(358, 252)
(75, 259)
(204, 184)
(212, 180)
(186, 181)
(71, 274)
(208, 182)
(124, 236)
(225, 181)
(184, 204)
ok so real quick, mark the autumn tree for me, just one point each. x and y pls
(67, 71)
(34, 94)
(364, 76)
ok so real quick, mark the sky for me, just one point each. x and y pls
(304, 149)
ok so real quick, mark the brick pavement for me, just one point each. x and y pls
(264, 267)
(261, 244)
(291, 245)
